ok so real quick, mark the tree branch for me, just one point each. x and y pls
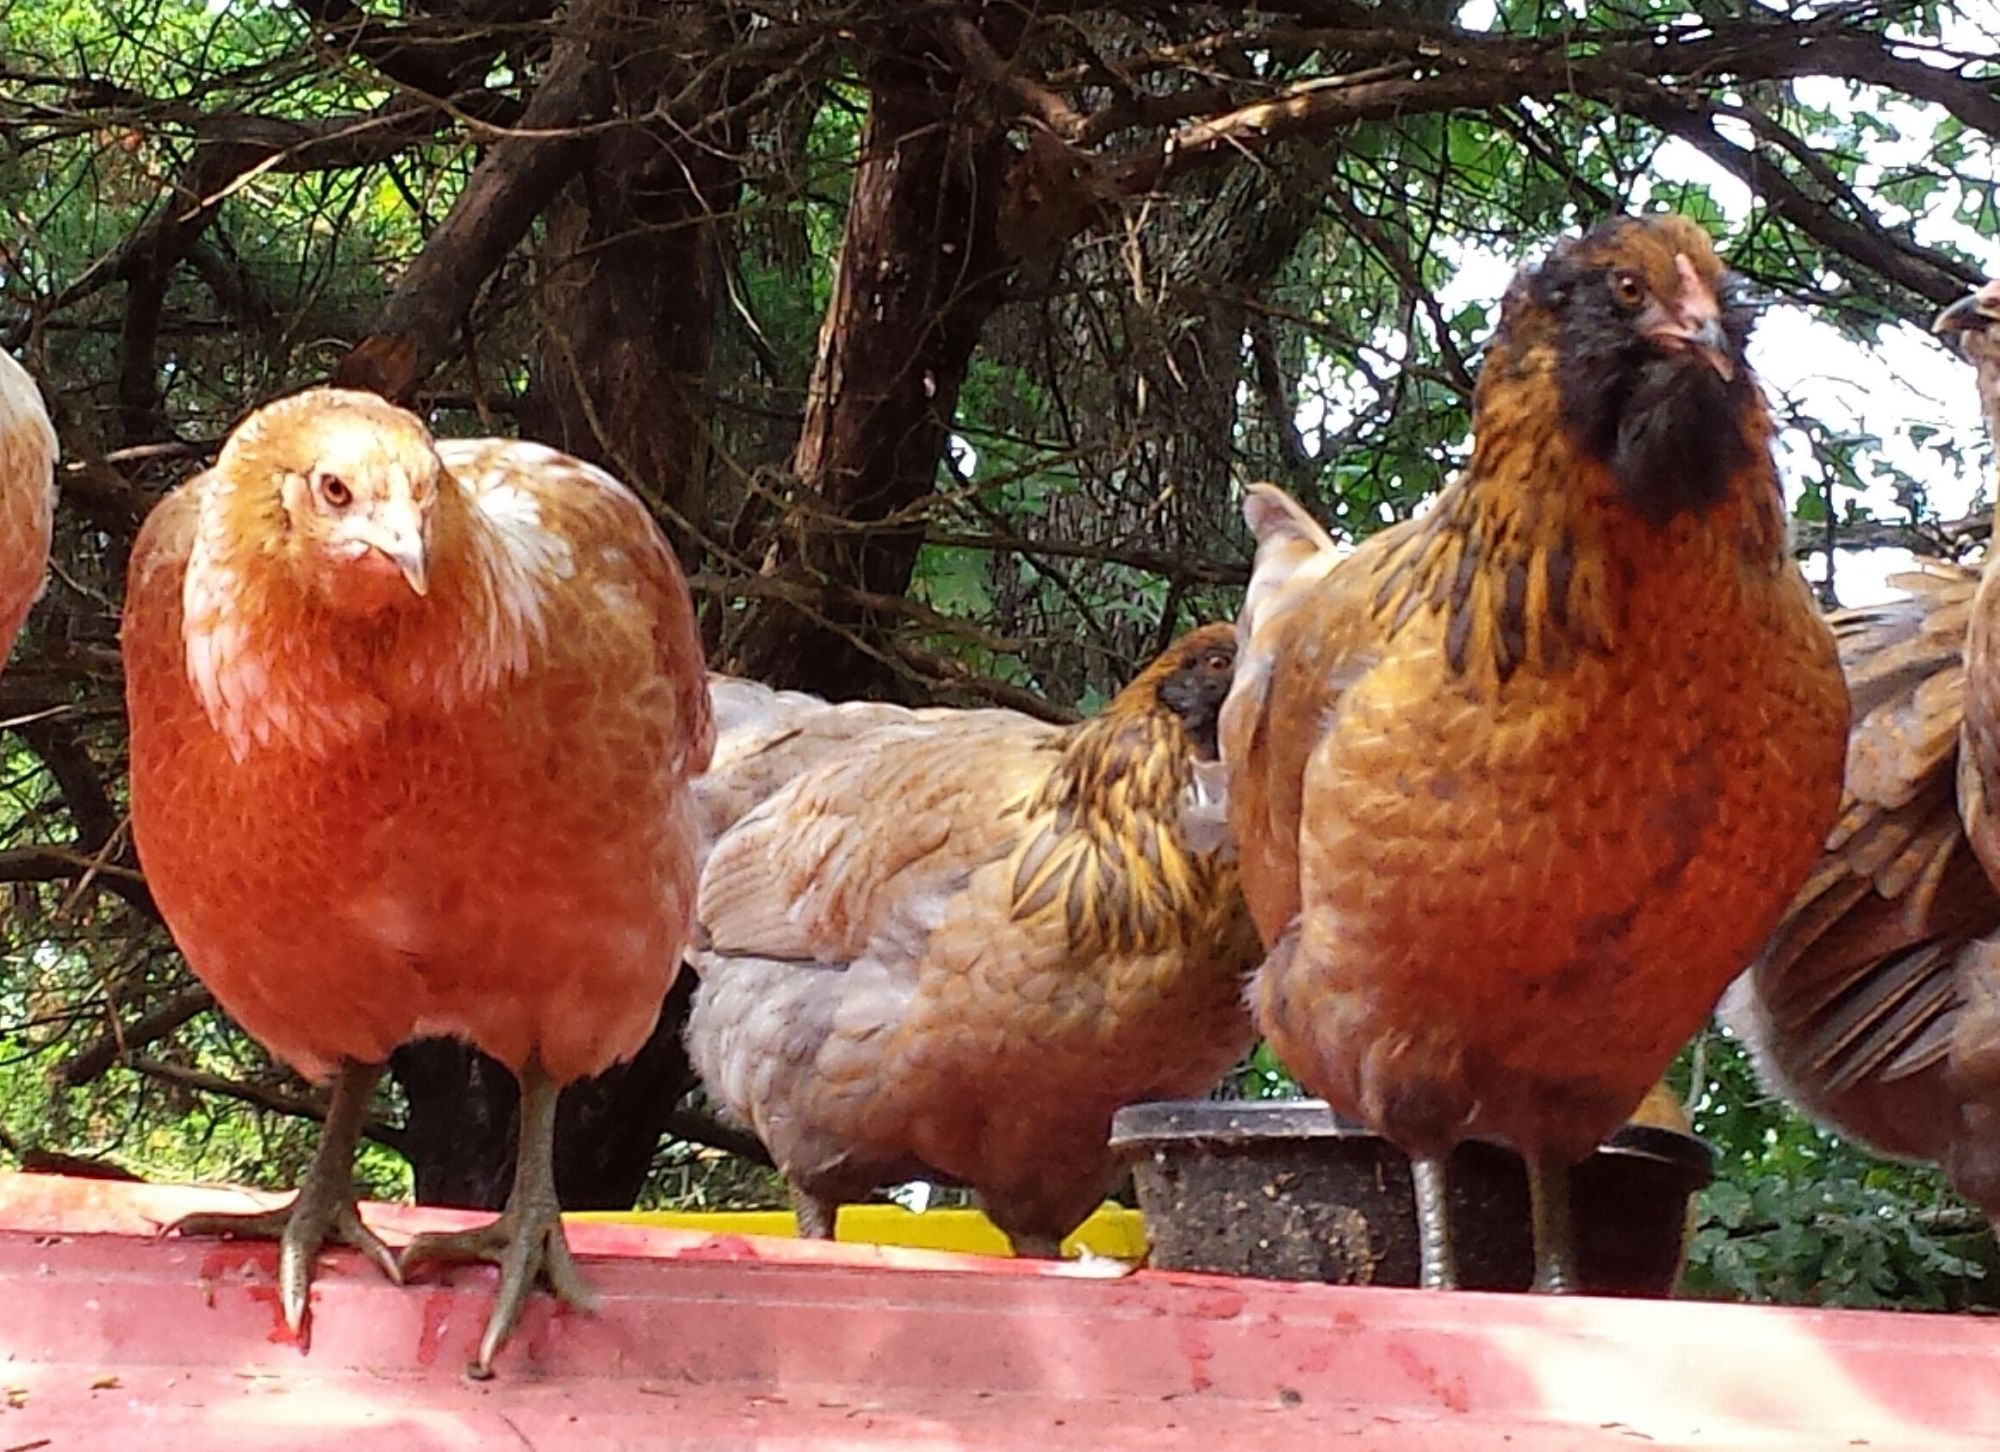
(260, 1096)
(446, 62)
(1923, 270)
(101, 1053)
(518, 177)
(57, 864)
(57, 744)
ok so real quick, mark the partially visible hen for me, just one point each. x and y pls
(764, 738)
(27, 497)
(412, 727)
(956, 946)
(1520, 785)
(1876, 1006)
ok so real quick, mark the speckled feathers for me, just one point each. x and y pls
(959, 943)
(1519, 786)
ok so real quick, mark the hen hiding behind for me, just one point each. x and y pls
(956, 943)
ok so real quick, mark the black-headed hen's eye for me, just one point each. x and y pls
(1217, 661)
(1628, 287)
(333, 489)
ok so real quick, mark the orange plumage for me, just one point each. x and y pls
(1518, 786)
(412, 727)
(27, 497)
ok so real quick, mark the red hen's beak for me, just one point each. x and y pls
(401, 542)
(1694, 323)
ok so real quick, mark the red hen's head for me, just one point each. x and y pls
(348, 483)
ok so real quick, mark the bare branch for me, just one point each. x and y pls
(259, 1096)
(56, 864)
(101, 1053)
(519, 175)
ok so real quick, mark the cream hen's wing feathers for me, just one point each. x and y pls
(27, 496)
(860, 856)
(766, 738)
(1301, 641)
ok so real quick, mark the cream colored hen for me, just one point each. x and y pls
(1876, 1006)
(956, 943)
(27, 497)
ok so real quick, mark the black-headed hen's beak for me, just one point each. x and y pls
(1975, 310)
(1693, 323)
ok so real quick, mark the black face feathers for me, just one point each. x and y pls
(1660, 414)
(1196, 690)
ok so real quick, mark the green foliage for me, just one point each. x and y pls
(1799, 1215)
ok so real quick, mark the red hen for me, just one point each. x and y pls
(412, 727)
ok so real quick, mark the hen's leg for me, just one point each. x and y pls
(526, 1242)
(1438, 1271)
(1037, 1245)
(1548, 1209)
(816, 1213)
(324, 1208)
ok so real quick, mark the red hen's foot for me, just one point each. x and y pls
(526, 1242)
(529, 1248)
(300, 1229)
(324, 1209)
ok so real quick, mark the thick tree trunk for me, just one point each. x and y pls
(919, 273)
(628, 280)
(421, 323)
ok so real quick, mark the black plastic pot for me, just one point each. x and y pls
(1285, 1190)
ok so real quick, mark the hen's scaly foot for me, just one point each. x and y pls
(324, 1209)
(526, 1242)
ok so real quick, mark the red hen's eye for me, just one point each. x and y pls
(333, 489)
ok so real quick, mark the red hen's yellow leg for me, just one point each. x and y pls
(1437, 1268)
(324, 1209)
(1548, 1209)
(526, 1241)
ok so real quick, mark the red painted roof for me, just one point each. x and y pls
(112, 1338)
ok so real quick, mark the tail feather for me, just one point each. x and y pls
(1291, 546)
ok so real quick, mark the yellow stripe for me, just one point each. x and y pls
(1113, 1230)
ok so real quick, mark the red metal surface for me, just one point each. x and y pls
(111, 1338)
